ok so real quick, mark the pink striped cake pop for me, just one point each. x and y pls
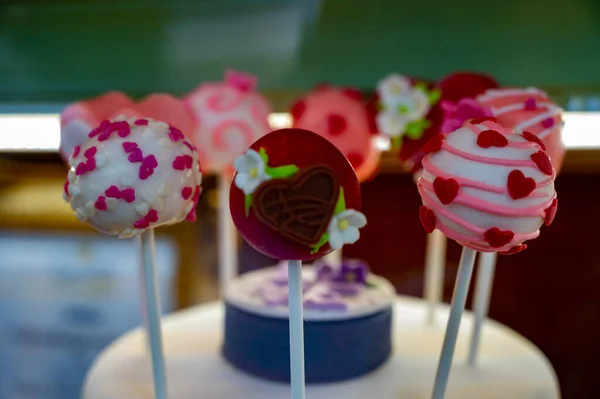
(529, 110)
(230, 116)
(133, 174)
(486, 187)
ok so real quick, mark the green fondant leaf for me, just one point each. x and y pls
(415, 129)
(281, 172)
(397, 143)
(248, 203)
(434, 96)
(263, 154)
(340, 205)
(421, 86)
(322, 241)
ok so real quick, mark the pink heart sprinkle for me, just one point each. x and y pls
(178, 163)
(90, 152)
(90, 165)
(105, 135)
(100, 203)
(135, 155)
(76, 151)
(145, 173)
(129, 146)
(547, 123)
(141, 224)
(128, 195)
(150, 162)
(152, 216)
(175, 134)
(186, 192)
(189, 161)
(124, 132)
(80, 169)
(141, 122)
(113, 192)
(189, 145)
(99, 129)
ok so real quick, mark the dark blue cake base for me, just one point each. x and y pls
(333, 350)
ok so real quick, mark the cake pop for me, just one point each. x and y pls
(133, 174)
(295, 196)
(230, 116)
(340, 115)
(529, 110)
(490, 190)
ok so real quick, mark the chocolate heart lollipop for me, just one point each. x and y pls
(295, 196)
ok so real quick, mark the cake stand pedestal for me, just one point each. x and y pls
(509, 366)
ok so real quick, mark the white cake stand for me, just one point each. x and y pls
(510, 367)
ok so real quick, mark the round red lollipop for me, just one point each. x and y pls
(295, 196)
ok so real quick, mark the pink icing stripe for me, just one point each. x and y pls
(487, 160)
(260, 117)
(220, 131)
(224, 100)
(489, 207)
(434, 170)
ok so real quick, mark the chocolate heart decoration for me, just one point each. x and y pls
(300, 207)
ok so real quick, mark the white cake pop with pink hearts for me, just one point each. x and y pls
(487, 187)
(133, 174)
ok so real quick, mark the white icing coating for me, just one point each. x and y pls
(482, 201)
(242, 293)
(128, 191)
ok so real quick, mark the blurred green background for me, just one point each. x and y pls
(59, 51)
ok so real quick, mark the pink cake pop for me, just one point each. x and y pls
(340, 115)
(133, 174)
(529, 110)
(486, 187)
(78, 119)
(295, 196)
(230, 116)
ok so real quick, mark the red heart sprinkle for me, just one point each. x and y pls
(80, 169)
(433, 145)
(298, 110)
(498, 238)
(141, 122)
(428, 219)
(336, 124)
(145, 172)
(479, 121)
(100, 203)
(178, 163)
(103, 125)
(175, 134)
(519, 186)
(124, 132)
(113, 192)
(129, 146)
(530, 104)
(186, 192)
(514, 250)
(543, 162)
(128, 195)
(135, 155)
(551, 212)
(547, 123)
(150, 162)
(491, 138)
(189, 145)
(141, 224)
(445, 189)
(534, 139)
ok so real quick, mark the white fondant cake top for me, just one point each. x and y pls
(265, 292)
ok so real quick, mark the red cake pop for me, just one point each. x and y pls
(295, 196)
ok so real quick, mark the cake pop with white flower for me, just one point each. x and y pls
(133, 174)
(296, 196)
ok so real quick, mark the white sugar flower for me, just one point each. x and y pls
(343, 228)
(391, 123)
(250, 169)
(392, 88)
(417, 107)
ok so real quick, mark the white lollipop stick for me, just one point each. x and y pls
(153, 314)
(459, 298)
(481, 305)
(435, 261)
(296, 329)
(228, 259)
(334, 258)
(144, 297)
